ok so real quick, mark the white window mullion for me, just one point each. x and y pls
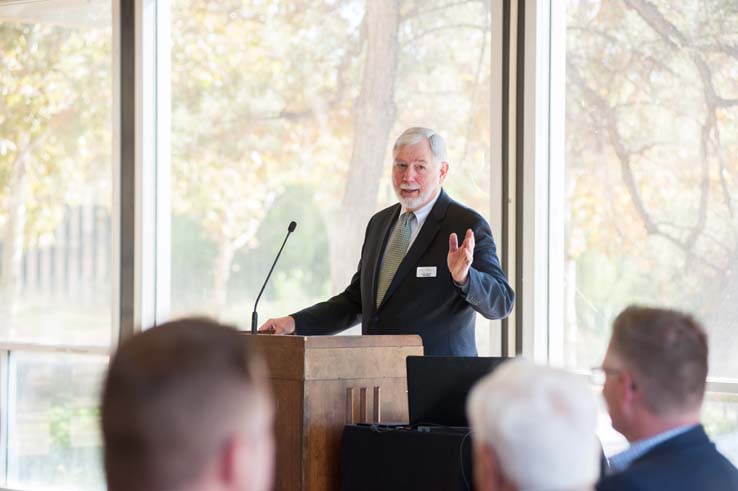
(8, 387)
(534, 262)
(556, 178)
(163, 146)
(4, 412)
(115, 214)
(146, 137)
(153, 129)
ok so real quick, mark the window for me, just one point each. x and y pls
(55, 242)
(53, 437)
(650, 178)
(287, 111)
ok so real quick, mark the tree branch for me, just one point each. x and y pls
(672, 36)
(619, 147)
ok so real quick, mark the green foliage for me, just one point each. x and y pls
(56, 102)
(301, 276)
(720, 414)
(62, 417)
(193, 253)
(304, 265)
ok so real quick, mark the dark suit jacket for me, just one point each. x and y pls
(688, 462)
(435, 308)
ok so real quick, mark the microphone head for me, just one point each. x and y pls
(292, 227)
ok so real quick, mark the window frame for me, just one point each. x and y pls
(131, 302)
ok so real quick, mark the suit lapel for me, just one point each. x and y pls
(424, 239)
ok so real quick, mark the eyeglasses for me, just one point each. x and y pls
(598, 375)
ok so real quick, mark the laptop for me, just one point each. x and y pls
(437, 387)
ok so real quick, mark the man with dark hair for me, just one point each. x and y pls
(185, 407)
(655, 372)
(428, 264)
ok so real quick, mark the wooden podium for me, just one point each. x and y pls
(320, 384)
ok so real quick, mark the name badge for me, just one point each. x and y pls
(426, 272)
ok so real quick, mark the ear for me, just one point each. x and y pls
(444, 171)
(629, 389)
(227, 465)
(487, 472)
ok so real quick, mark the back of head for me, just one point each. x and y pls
(411, 136)
(173, 397)
(667, 352)
(540, 423)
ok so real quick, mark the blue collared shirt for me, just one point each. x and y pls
(620, 461)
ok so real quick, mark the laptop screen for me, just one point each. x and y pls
(437, 387)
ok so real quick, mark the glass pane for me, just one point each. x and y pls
(720, 417)
(55, 172)
(286, 111)
(53, 440)
(651, 174)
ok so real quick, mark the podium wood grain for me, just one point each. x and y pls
(310, 377)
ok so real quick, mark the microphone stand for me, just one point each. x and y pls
(254, 314)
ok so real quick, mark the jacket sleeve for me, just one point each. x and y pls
(337, 313)
(487, 290)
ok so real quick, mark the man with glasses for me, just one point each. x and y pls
(655, 371)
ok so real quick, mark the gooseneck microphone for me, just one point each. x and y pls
(254, 315)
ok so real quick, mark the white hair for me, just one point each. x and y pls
(411, 136)
(540, 422)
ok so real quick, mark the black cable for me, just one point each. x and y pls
(461, 460)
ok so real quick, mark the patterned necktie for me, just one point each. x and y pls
(393, 254)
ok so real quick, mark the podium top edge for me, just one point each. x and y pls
(369, 341)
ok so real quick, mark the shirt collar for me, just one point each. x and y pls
(422, 213)
(637, 449)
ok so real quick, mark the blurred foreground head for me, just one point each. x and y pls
(533, 428)
(655, 371)
(185, 407)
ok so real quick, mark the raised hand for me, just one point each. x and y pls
(460, 257)
(280, 325)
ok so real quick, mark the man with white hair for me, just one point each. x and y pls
(533, 428)
(413, 276)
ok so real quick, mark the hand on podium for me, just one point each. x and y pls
(279, 326)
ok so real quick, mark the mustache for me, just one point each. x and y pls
(407, 187)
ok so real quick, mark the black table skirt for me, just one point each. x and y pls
(380, 458)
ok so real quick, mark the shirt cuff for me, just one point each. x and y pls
(465, 286)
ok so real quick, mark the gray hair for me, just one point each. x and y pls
(667, 351)
(541, 424)
(411, 136)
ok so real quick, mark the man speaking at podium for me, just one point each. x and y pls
(413, 276)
